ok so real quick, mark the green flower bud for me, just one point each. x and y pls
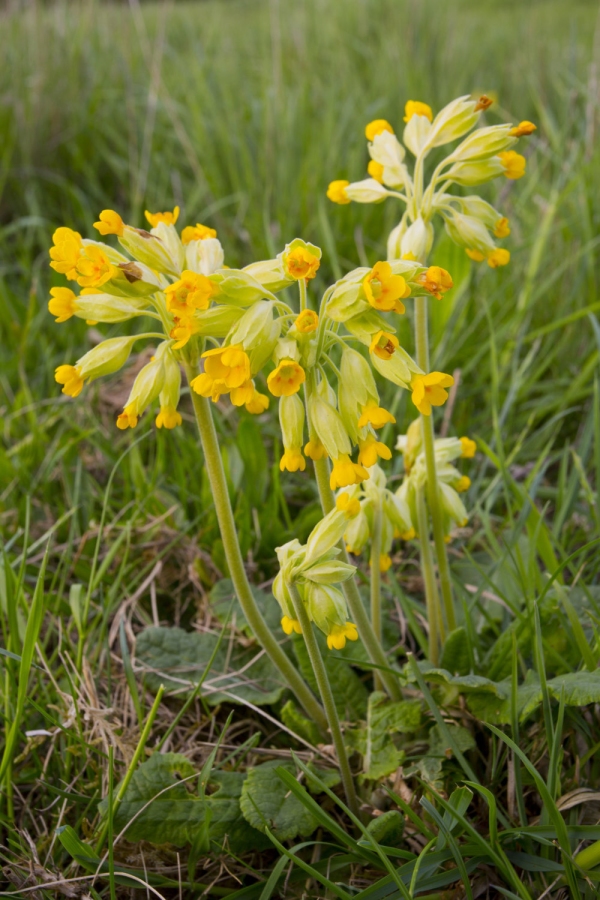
(329, 427)
(326, 606)
(270, 274)
(483, 143)
(454, 120)
(147, 248)
(469, 232)
(205, 256)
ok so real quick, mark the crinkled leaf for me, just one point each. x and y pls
(228, 827)
(178, 659)
(381, 756)
(455, 655)
(299, 724)
(266, 801)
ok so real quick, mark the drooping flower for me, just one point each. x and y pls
(429, 390)
(169, 218)
(286, 378)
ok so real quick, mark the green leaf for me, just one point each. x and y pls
(267, 803)
(228, 828)
(177, 659)
(388, 828)
(381, 756)
(455, 655)
(349, 692)
(293, 719)
(439, 751)
(329, 777)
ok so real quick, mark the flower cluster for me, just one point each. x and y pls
(315, 570)
(484, 154)
(451, 482)
(181, 283)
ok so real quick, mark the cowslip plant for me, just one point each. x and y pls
(235, 336)
(471, 222)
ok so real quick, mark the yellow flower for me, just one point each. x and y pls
(110, 223)
(385, 562)
(315, 450)
(377, 126)
(258, 403)
(483, 103)
(408, 535)
(243, 394)
(350, 506)
(292, 460)
(346, 473)
(307, 322)
(384, 345)
(436, 281)
(469, 448)
(291, 625)
(286, 378)
(499, 257)
(523, 129)
(66, 252)
(502, 229)
(514, 164)
(463, 484)
(375, 170)
(336, 639)
(197, 233)
(384, 290)
(230, 365)
(370, 450)
(94, 267)
(182, 331)
(375, 415)
(416, 108)
(70, 377)
(301, 263)
(428, 390)
(192, 291)
(62, 304)
(167, 417)
(208, 387)
(169, 218)
(336, 192)
(128, 418)
(475, 255)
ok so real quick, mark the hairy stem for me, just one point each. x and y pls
(327, 697)
(216, 475)
(376, 578)
(431, 593)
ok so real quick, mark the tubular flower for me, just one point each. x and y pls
(523, 129)
(301, 263)
(502, 228)
(70, 377)
(350, 506)
(257, 404)
(514, 164)
(110, 223)
(384, 290)
(416, 108)
(66, 252)
(377, 126)
(375, 170)
(292, 460)
(94, 268)
(168, 418)
(286, 378)
(243, 394)
(291, 625)
(128, 418)
(229, 365)
(463, 484)
(62, 304)
(384, 345)
(370, 450)
(169, 218)
(346, 473)
(339, 634)
(307, 322)
(429, 390)
(315, 450)
(192, 291)
(375, 415)
(436, 281)
(469, 448)
(336, 192)
(291, 420)
(499, 257)
(197, 233)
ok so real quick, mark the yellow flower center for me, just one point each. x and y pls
(384, 290)
(384, 345)
(436, 281)
(286, 378)
(307, 321)
(301, 263)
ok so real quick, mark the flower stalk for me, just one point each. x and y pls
(376, 578)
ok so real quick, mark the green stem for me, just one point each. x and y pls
(233, 554)
(431, 594)
(327, 697)
(433, 493)
(376, 578)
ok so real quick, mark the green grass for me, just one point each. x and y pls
(242, 113)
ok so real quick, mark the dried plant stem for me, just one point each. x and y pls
(326, 693)
(233, 554)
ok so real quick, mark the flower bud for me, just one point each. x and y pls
(417, 240)
(106, 358)
(397, 511)
(470, 173)
(452, 504)
(388, 153)
(416, 133)
(291, 419)
(270, 274)
(329, 427)
(168, 416)
(254, 326)
(325, 535)
(218, 321)
(300, 259)
(147, 386)
(356, 390)
(326, 607)
(483, 143)
(204, 256)
(366, 191)
(357, 534)
(96, 307)
(238, 287)
(467, 231)
(367, 324)
(348, 299)
(172, 242)
(454, 120)
(149, 249)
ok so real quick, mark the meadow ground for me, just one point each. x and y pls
(241, 113)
